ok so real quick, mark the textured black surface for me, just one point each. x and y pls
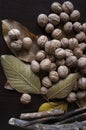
(26, 12)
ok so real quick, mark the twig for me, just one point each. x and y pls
(41, 114)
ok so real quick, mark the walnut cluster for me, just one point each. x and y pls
(62, 51)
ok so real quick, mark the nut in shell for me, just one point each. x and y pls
(84, 27)
(60, 53)
(35, 66)
(80, 36)
(74, 16)
(49, 28)
(68, 52)
(25, 98)
(71, 97)
(42, 40)
(81, 62)
(16, 45)
(78, 52)
(45, 64)
(60, 62)
(57, 33)
(71, 61)
(63, 71)
(73, 43)
(53, 66)
(14, 34)
(42, 20)
(67, 7)
(68, 27)
(27, 42)
(82, 83)
(54, 77)
(46, 82)
(44, 90)
(40, 55)
(80, 94)
(64, 42)
(64, 17)
(56, 7)
(77, 26)
(54, 19)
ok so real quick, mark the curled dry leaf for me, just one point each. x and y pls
(24, 55)
(19, 75)
(63, 87)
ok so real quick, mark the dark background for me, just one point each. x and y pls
(25, 12)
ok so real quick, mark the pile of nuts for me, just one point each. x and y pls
(62, 50)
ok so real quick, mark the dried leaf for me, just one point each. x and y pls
(48, 106)
(8, 86)
(24, 55)
(19, 75)
(63, 87)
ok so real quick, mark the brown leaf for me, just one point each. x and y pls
(24, 55)
(63, 87)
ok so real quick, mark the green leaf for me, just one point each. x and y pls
(63, 87)
(24, 55)
(19, 75)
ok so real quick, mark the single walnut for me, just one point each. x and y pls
(71, 97)
(50, 46)
(14, 34)
(74, 16)
(68, 27)
(84, 27)
(53, 75)
(77, 26)
(60, 62)
(44, 90)
(53, 66)
(78, 52)
(64, 17)
(80, 36)
(54, 19)
(16, 45)
(46, 82)
(45, 64)
(27, 42)
(67, 7)
(42, 20)
(68, 52)
(71, 61)
(57, 33)
(80, 94)
(35, 66)
(56, 7)
(60, 53)
(25, 98)
(73, 43)
(40, 55)
(81, 62)
(82, 46)
(82, 83)
(49, 28)
(64, 42)
(42, 40)
(63, 71)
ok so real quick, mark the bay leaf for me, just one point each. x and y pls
(63, 87)
(19, 75)
(25, 55)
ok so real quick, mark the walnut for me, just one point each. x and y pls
(14, 34)
(81, 62)
(67, 7)
(74, 16)
(16, 45)
(60, 62)
(68, 27)
(71, 97)
(42, 40)
(78, 52)
(27, 42)
(56, 7)
(25, 98)
(45, 64)
(35, 66)
(71, 61)
(42, 20)
(68, 52)
(84, 27)
(64, 42)
(82, 83)
(64, 17)
(80, 94)
(44, 90)
(53, 66)
(60, 53)
(82, 46)
(54, 19)
(49, 28)
(63, 71)
(53, 75)
(80, 36)
(57, 33)
(46, 82)
(73, 43)
(77, 26)
(40, 55)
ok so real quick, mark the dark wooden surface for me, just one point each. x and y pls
(26, 12)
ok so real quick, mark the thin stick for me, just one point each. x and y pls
(41, 114)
